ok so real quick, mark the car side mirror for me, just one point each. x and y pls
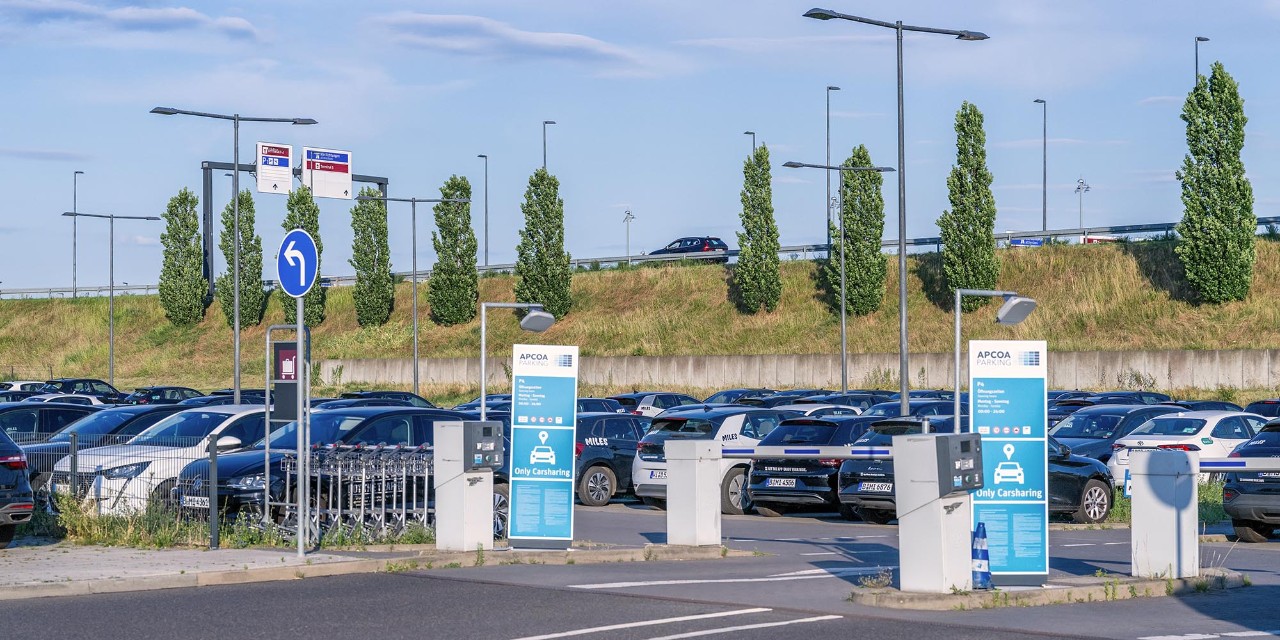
(228, 442)
(1064, 451)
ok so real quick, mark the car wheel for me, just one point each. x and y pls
(162, 496)
(772, 511)
(654, 503)
(501, 510)
(596, 486)
(6, 534)
(847, 512)
(1251, 531)
(1095, 503)
(876, 516)
(734, 499)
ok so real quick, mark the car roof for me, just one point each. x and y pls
(637, 395)
(146, 408)
(1118, 408)
(1204, 414)
(715, 413)
(592, 415)
(377, 411)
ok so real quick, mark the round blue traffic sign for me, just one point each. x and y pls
(297, 263)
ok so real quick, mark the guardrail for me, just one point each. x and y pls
(795, 252)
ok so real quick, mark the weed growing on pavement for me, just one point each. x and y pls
(878, 580)
(1121, 508)
(400, 567)
(1245, 580)
(479, 555)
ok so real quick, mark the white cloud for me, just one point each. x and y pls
(790, 180)
(771, 45)
(142, 241)
(1153, 175)
(60, 14)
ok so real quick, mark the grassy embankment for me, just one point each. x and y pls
(1118, 297)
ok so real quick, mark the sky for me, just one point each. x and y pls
(650, 98)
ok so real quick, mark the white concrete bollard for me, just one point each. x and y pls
(1165, 542)
(693, 492)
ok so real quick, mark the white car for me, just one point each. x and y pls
(1008, 472)
(732, 427)
(21, 385)
(69, 398)
(1212, 433)
(125, 477)
(821, 410)
(542, 454)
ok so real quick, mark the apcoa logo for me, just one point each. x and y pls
(532, 356)
(988, 358)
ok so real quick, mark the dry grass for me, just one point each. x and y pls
(1118, 297)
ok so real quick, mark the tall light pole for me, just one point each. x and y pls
(413, 277)
(1082, 188)
(898, 27)
(236, 119)
(1199, 39)
(627, 221)
(111, 282)
(486, 204)
(830, 88)
(544, 142)
(844, 340)
(1044, 164)
(75, 231)
(536, 321)
(753, 140)
(1015, 309)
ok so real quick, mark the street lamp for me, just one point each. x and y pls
(1082, 188)
(827, 14)
(830, 88)
(1014, 310)
(486, 203)
(544, 142)
(627, 221)
(413, 277)
(111, 283)
(844, 342)
(75, 251)
(753, 140)
(1199, 39)
(1044, 164)
(236, 119)
(536, 320)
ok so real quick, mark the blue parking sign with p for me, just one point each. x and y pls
(297, 263)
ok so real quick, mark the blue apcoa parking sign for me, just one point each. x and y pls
(544, 392)
(297, 263)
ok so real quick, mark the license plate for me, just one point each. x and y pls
(61, 489)
(660, 474)
(780, 482)
(884, 487)
(196, 502)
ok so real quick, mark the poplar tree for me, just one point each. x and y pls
(968, 228)
(253, 297)
(862, 209)
(542, 264)
(182, 282)
(453, 289)
(757, 278)
(374, 291)
(303, 213)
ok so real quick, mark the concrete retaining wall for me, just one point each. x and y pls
(1257, 369)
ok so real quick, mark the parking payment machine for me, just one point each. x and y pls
(934, 475)
(466, 455)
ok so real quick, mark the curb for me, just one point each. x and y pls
(1117, 588)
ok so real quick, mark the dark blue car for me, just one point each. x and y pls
(605, 446)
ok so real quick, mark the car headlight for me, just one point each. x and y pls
(248, 483)
(127, 471)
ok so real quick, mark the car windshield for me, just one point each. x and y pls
(883, 436)
(815, 433)
(92, 425)
(724, 396)
(883, 409)
(325, 428)
(51, 387)
(180, 429)
(1087, 426)
(1169, 427)
(692, 428)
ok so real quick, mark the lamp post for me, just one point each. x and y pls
(844, 342)
(544, 142)
(1044, 164)
(898, 27)
(413, 277)
(486, 204)
(75, 235)
(1199, 39)
(830, 88)
(753, 140)
(111, 282)
(627, 221)
(1082, 188)
(535, 321)
(1014, 310)
(236, 119)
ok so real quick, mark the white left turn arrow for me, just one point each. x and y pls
(290, 255)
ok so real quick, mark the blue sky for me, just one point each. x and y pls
(651, 100)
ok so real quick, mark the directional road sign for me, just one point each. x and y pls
(297, 263)
(327, 172)
(275, 168)
(1027, 242)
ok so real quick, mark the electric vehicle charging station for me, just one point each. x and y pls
(466, 455)
(934, 477)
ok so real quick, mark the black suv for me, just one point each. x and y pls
(1253, 499)
(605, 446)
(83, 386)
(693, 245)
(27, 422)
(778, 485)
(412, 398)
(161, 395)
(16, 500)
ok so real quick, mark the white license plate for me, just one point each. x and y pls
(660, 474)
(885, 487)
(780, 482)
(196, 502)
(61, 489)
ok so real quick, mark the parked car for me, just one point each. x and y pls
(1062, 394)
(347, 403)
(776, 486)
(1091, 430)
(778, 398)
(161, 395)
(17, 502)
(699, 244)
(1252, 499)
(86, 386)
(412, 398)
(605, 446)
(732, 427)
(730, 396)
(28, 422)
(114, 425)
(926, 394)
(489, 398)
(652, 403)
(1214, 433)
(1266, 408)
(21, 385)
(860, 399)
(935, 410)
(1203, 405)
(222, 400)
(66, 398)
(124, 478)
(606, 405)
(1128, 397)
(813, 410)
(1078, 486)
(17, 396)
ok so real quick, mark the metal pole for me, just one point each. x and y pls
(75, 226)
(484, 318)
(268, 364)
(111, 303)
(486, 210)
(844, 342)
(904, 378)
(1044, 166)
(544, 155)
(413, 208)
(235, 274)
(628, 221)
(827, 202)
(303, 478)
(955, 406)
(213, 492)
(1197, 60)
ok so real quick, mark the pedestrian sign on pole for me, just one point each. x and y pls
(275, 167)
(327, 172)
(297, 263)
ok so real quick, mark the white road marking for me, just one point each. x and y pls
(1215, 636)
(1079, 544)
(786, 577)
(645, 623)
(745, 627)
(821, 553)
